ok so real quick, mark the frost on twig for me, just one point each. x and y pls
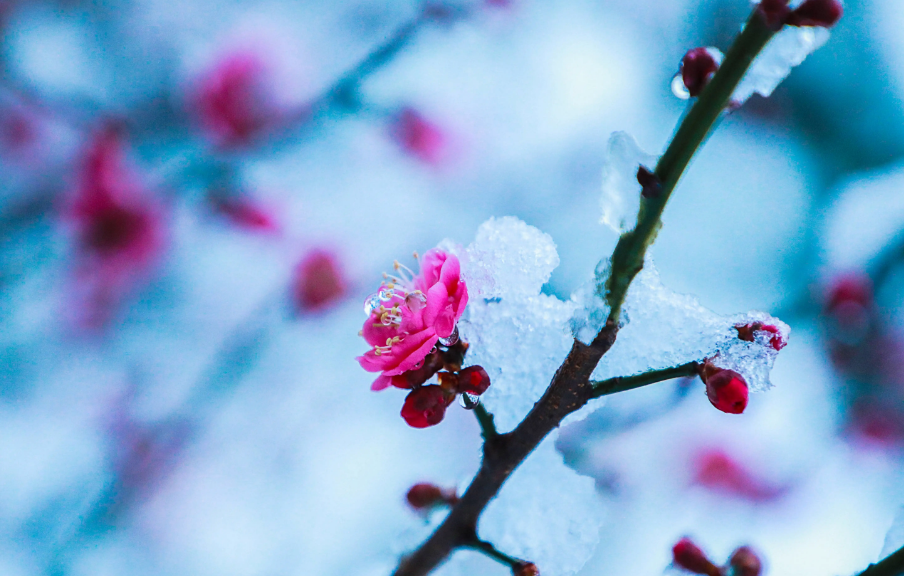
(620, 200)
(787, 49)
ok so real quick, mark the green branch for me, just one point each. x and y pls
(622, 383)
(484, 418)
(489, 550)
(628, 257)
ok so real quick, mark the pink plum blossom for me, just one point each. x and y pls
(410, 314)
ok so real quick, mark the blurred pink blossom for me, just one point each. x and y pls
(119, 228)
(718, 471)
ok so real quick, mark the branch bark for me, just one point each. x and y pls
(571, 388)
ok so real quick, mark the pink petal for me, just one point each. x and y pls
(381, 383)
(437, 301)
(450, 273)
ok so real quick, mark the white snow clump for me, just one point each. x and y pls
(621, 192)
(787, 49)
(663, 329)
(547, 514)
(517, 334)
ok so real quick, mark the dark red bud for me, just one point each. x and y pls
(430, 365)
(822, 13)
(650, 184)
(686, 554)
(473, 380)
(726, 389)
(775, 12)
(525, 569)
(425, 406)
(424, 495)
(747, 332)
(697, 67)
(745, 562)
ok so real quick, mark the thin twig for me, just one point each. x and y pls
(570, 388)
(489, 550)
(485, 419)
(623, 383)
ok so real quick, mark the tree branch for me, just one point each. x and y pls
(623, 383)
(892, 565)
(570, 388)
(627, 259)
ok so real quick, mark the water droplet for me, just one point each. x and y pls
(451, 340)
(371, 303)
(678, 87)
(468, 401)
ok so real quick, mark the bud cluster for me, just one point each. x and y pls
(820, 13)
(689, 557)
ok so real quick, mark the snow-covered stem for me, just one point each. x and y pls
(485, 419)
(571, 388)
(489, 550)
(627, 259)
(892, 565)
(623, 383)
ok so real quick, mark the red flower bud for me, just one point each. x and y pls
(686, 554)
(697, 68)
(747, 332)
(525, 569)
(822, 13)
(745, 562)
(775, 12)
(473, 380)
(726, 389)
(425, 406)
(423, 496)
(318, 281)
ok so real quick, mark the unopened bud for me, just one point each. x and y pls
(473, 380)
(525, 569)
(745, 562)
(651, 187)
(822, 13)
(775, 12)
(726, 389)
(698, 67)
(686, 554)
(426, 406)
(747, 332)
(423, 496)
